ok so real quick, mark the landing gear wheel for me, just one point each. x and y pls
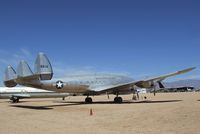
(88, 100)
(14, 100)
(118, 99)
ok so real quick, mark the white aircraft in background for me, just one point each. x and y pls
(82, 84)
(16, 93)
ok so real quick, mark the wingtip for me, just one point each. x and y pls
(192, 68)
(188, 69)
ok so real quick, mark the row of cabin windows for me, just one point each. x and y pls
(87, 82)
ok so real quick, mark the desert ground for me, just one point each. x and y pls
(165, 113)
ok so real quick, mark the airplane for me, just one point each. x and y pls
(162, 88)
(81, 84)
(16, 93)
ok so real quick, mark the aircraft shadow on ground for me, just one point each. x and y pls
(125, 102)
(73, 103)
(32, 107)
(24, 101)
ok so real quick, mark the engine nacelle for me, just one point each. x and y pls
(145, 84)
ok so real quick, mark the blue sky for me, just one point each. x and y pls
(138, 38)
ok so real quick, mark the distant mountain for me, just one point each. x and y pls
(182, 83)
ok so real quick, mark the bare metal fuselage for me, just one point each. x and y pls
(82, 83)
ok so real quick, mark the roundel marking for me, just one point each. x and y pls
(59, 84)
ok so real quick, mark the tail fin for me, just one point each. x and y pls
(10, 76)
(43, 71)
(43, 67)
(23, 69)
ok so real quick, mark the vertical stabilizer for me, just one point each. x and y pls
(23, 69)
(43, 67)
(10, 76)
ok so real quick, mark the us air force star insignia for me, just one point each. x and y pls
(59, 84)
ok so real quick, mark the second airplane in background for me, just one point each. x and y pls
(17, 93)
(84, 84)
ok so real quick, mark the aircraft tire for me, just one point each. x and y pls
(14, 99)
(118, 99)
(88, 100)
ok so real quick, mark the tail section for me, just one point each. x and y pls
(10, 76)
(43, 67)
(24, 76)
(23, 69)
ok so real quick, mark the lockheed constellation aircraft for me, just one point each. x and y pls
(86, 84)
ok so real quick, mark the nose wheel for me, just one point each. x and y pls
(88, 100)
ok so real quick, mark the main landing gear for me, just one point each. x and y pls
(118, 99)
(14, 99)
(88, 100)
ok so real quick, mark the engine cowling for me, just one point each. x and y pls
(145, 84)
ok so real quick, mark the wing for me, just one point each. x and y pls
(162, 77)
(146, 83)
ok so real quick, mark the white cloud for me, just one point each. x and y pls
(62, 72)
(25, 52)
(60, 69)
(13, 58)
(9, 58)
